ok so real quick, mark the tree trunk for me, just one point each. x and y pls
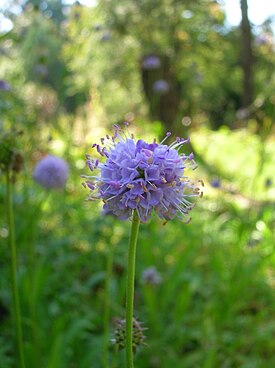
(162, 106)
(247, 56)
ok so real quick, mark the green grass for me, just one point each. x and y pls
(215, 304)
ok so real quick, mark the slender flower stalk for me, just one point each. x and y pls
(106, 318)
(15, 293)
(131, 289)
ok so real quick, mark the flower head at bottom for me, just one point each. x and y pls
(120, 334)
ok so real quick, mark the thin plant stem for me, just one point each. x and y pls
(15, 294)
(107, 307)
(130, 290)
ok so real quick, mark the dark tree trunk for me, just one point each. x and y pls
(163, 107)
(247, 56)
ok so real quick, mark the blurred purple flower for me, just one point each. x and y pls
(106, 36)
(215, 183)
(151, 62)
(98, 27)
(51, 172)
(151, 276)
(143, 177)
(268, 183)
(41, 70)
(262, 39)
(4, 86)
(161, 86)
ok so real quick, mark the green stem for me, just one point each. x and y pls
(130, 290)
(15, 294)
(107, 308)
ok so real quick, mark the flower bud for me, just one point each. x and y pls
(120, 334)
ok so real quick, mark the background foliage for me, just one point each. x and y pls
(73, 71)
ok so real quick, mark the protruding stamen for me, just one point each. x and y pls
(166, 136)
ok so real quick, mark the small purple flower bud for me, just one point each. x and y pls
(151, 276)
(215, 183)
(41, 70)
(51, 172)
(151, 63)
(106, 36)
(161, 87)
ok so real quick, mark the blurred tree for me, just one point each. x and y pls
(247, 56)
(53, 9)
(41, 51)
(196, 55)
(173, 60)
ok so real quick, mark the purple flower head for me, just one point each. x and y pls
(4, 86)
(151, 62)
(143, 177)
(151, 276)
(51, 172)
(161, 86)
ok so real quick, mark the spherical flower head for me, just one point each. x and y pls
(151, 62)
(142, 176)
(51, 172)
(161, 86)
